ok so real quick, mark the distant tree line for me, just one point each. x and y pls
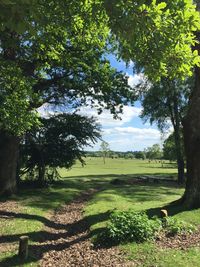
(153, 152)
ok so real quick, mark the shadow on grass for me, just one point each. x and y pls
(14, 260)
(110, 175)
(142, 193)
(172, 208)
(45, 221)
(79, 230)
(159, 167)
(66, 189)
(44, 199)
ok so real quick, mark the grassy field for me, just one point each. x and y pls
(114, 167)
(35, 205)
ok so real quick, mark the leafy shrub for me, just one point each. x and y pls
(172, 226)
(128, 226)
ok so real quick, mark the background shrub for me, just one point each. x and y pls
(127, 226)
(172, 226)
(131, 226)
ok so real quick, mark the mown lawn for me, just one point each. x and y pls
(34, 206)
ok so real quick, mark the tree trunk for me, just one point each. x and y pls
(9, 148)
(191, 198)
(181, 170)
(41, 167)
(41, 174)
(177, 137)
(104, 159)
(179, 153)
(192, 148)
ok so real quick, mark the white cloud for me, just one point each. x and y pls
(138, 133)
(115, 132)
(45, 111)
(129, 138)
(134, 79)
(106, 119)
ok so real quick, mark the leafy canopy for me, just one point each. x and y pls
(52, 52)
(164, 100)
(156, 35)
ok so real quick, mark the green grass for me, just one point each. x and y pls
(115, 167)
(35, 206)
(148, 255)
(32, 215)
(150, 198)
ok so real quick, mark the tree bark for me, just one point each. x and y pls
(173, 108)
(23, 247)
(191, 198)
(177, 136)
(9, 148)
(181, 170)
(192, 147)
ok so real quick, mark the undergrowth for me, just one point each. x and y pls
(131, 226)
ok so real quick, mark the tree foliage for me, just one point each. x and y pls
(156, 35)
(59, 142)
(163, 101)
(166, 103)
(53, 52)
(154, 152)
(169, 148)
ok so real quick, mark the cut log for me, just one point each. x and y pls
(23, 247)
(163, 213)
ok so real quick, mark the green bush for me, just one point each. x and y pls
(126, 226)
(131, 226)
(172, 226)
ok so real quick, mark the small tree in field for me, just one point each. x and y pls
(105, 149)
(59, 142)
(154, 152)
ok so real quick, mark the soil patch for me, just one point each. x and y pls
(182, 241)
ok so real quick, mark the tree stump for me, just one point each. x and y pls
(23, 247)
(163, 213)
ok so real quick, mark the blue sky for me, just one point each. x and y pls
(129, 133)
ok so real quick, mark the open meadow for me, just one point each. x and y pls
(31, 212)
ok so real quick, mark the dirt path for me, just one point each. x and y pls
(65, 240)
(5, 217)
(181, 241)
(69, 244)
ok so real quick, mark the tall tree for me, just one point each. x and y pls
(162, 38)
(164, 102)
(191, 196)
(51, 52)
